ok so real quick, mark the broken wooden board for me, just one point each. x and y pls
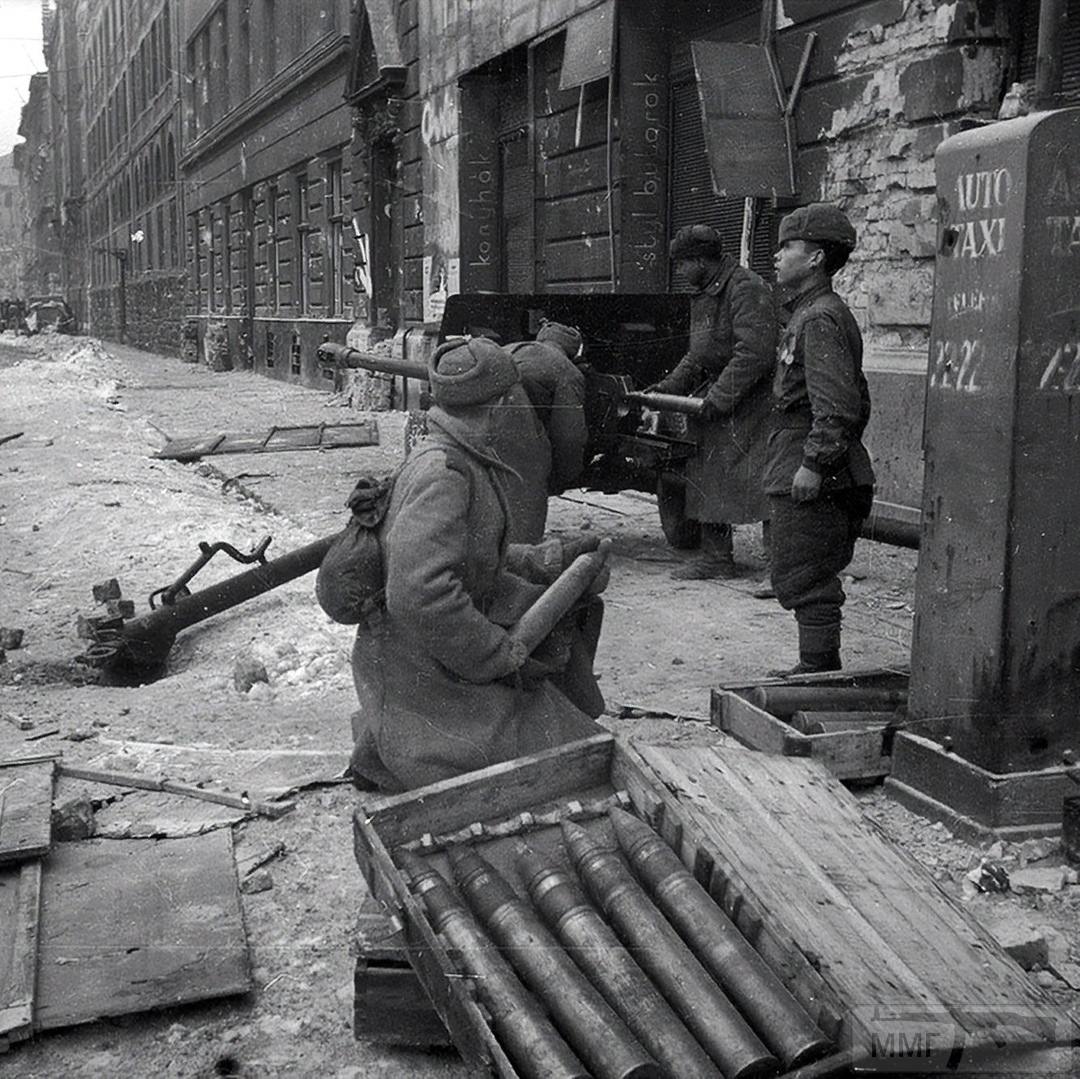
(263, 775)
(26, 792)
(319, 436)
(128, 927)
(871, 919)
(20, 891)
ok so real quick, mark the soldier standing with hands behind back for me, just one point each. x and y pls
(731, 358)
(818, 478)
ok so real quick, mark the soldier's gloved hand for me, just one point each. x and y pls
(650, 421)
(599, 582)
(806, 485)
(582, 543)
(709, 411)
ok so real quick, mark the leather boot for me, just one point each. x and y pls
(811, 663)
(716, 558)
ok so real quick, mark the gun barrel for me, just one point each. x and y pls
(688, 986)
(585, 1019)
(717, 943)
(668, 402)
(531, 1041)
(607, 964)
(343, 356)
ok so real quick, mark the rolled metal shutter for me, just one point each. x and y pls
(1070, 50)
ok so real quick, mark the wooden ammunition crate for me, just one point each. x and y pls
(851, 924)
(864, 754)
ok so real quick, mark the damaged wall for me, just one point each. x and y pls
(882, 93)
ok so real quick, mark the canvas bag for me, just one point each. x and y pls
(350, 585)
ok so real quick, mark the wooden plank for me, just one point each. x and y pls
(20, 898)
(883, 929)
(274, 440)
(125, 927)
(489, 792)
(855, 754)
(25, 810)
(968, 970)
(787, 885)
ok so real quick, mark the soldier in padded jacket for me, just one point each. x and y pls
(818, 477)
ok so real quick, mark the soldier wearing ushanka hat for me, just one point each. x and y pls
(818, 478)
(729, 361)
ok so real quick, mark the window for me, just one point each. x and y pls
(335, 216)
(273, 229)
(226, 257)
(303, 244)
(196, 262)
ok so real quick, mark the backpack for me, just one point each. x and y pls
(350, 585)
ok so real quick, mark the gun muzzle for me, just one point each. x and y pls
(344, 357)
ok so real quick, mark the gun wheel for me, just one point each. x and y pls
(682, 532)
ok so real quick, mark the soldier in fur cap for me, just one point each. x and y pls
(729, 362)
(441, 685)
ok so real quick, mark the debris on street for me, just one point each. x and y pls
(323, 436)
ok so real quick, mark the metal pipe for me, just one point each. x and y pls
(659, 950)
(591, 1026)
(667, 402)
(717, 943)
(519, 1023)
(1052, 20)
(143, 644)
(592, 944)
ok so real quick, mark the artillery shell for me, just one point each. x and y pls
(532, 1043)
(588, 1023)
(715, 940)
(607, 964)
(784, 701)
(688, 986)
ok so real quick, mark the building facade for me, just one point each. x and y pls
(134, 201)
(268, 178)
(34, 158)
(557, 147)
(11, 228)
(63, 60)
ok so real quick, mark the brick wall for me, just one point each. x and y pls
(155, 312)
(903, 77)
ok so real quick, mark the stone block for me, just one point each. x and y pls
(1025, 943)
(932, 87)
(1038, 881)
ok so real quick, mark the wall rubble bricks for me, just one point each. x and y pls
(906, 85)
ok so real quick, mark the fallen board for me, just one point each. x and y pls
(126, 927)
(20, 891)
(26, 790)
(263, 775)
(320, 436)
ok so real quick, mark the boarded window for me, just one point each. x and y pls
(693, 200)
(747, 137)
(587, 53)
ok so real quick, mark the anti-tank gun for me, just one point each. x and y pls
(631, 341)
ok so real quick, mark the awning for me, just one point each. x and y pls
(748, 138)
(587, 51)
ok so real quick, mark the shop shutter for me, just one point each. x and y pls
(692, 198)
(1070, 50)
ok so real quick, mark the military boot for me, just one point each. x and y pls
(716, 558)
